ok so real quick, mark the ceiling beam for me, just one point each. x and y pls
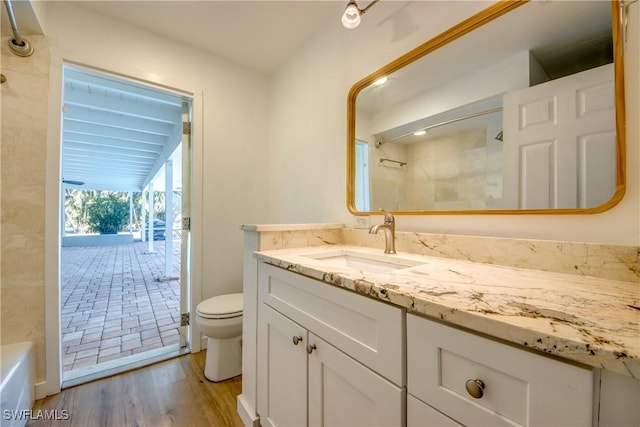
(109, 185)
(168, 150)
(88, 165)
(72, 76)
(99, 102)
(104, 118)
(108, 152)
(105, 141)
(71, 172)
(116, 133)
(113, 132)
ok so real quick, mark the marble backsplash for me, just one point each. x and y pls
(296, 236)
(585, 259)
(613, 262)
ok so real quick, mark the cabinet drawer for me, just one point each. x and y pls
(369, 331)
(520, 387)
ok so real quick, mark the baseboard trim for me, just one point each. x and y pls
(42, 391)
(247, 413)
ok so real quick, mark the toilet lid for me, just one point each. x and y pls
(229, 305)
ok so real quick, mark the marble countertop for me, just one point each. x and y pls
(583, 319)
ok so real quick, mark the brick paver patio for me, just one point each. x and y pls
(112, 304)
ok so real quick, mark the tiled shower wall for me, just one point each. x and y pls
(431, 180)
(23, 116)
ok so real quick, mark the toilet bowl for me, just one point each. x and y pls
(220, 320)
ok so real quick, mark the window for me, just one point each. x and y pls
(362, 198)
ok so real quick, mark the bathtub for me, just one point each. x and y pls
(17, 391)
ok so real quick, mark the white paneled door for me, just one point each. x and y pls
(560, 142)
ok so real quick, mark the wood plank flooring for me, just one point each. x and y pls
(170, 393)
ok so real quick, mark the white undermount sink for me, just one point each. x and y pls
(372, 263)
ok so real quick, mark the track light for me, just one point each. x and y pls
(352, 14)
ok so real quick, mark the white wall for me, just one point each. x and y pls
(308, 134)
(233, 120)
(477, 85)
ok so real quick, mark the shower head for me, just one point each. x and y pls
(21, 47)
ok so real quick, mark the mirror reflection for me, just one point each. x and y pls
(518, 114)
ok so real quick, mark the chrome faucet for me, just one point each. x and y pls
(389, 229)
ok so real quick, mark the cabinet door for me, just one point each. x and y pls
(282, 370)
(342, 392)
(419, 414)
(369, 331)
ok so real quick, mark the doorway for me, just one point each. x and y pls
(125, 209)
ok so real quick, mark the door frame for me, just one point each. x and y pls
(53, 193)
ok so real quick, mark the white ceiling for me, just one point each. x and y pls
(257, 34)
(117, 134)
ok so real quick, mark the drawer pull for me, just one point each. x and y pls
(310, 348)
(475, 388)
(296, 340)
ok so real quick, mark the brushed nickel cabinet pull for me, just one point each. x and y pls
(310, 348)
(475, 388)
(296, 340)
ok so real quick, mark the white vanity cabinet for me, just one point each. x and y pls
(477, 381)
(282, 370)
(419, 414)
(326, 356)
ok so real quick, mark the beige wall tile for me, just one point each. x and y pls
(23, 132)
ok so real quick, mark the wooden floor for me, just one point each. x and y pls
(170, 393)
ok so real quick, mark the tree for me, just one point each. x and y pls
(75, 203)
(108, 212)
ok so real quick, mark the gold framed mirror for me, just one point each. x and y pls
(519, 109)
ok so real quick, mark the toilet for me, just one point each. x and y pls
(220, 320)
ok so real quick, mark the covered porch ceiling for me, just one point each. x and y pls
(116, 134)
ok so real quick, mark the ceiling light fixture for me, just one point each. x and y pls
(380, 81)
(420, 132)
(351, 16)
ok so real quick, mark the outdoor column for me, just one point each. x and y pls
(143, 218)
(150, 235)
(168, 218)
(130, 212)
(63, 213)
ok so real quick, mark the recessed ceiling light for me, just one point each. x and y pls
(380, 81)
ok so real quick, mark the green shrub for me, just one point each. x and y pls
(107, 213)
